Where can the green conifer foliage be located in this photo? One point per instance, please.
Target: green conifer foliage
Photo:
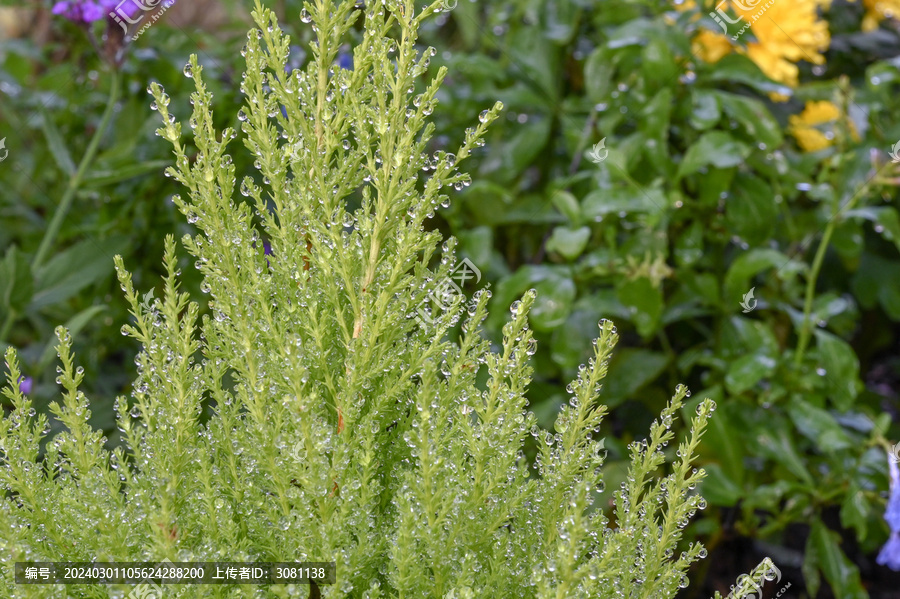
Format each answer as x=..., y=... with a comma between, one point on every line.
x=342, y=428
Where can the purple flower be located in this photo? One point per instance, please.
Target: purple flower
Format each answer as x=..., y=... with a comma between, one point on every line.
x=345, y=60
x=88, y=11
x=26, y=384
x=890, y=553
x=80, y=11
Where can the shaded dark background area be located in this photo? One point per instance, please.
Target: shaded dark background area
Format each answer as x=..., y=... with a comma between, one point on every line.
x=646, y=169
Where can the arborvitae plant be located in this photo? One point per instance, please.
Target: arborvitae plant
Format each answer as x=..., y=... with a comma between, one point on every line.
x=341, y=427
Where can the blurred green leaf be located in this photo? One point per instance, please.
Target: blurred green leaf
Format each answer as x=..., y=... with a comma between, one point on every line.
x=74, y=326
x=855, y=511
x=601, y=202
x=57, y=145
x=885, y=218
x=839, y=571
x=477, y=244
x=658, y=64
x=754, y=118
x=745, y=372
x=645, y=302
x=715, y=148
x=598, y=74
x=778, y=446
x=841, y=368
x=72, y=270
x=749, y=264
x=16, y=281
x=720, y=434
x=528, y=143
x=537, y=57
x=705, y=111
x=571, y=341
x=751, y=210
x=569, y=242
x=718, y=488
x=818, y=426
x=629, y=370
x=553, y=303
x=568, y=205
x=735, y=68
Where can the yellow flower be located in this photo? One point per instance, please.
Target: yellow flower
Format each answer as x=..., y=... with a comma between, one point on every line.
x=807, y=127
x=879, y=10
x=785, y=32
x=710, y=46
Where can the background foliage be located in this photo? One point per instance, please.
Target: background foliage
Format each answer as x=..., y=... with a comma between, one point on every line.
x=731, y=165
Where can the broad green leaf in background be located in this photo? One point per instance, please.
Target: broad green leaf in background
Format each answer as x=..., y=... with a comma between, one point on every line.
x=689, y=245
x=754, y=118
x=555, y=294
x=818, y=426
x=749, y=264
x=657, y=63
x=740, y=69
x=561, y=20
x=487, y=201
x=718, y=488
x=841, y=368
x=885, y=219
x=74, y=326
x=536, y=56
x=705, y=110
x=16, y=281
x=526, y=144
x=645, y=302
x=56, y=145
x=598, y=74
x=629, y=370
x=855, y=511
x=74, y=269
x=569, y=242
x=776, y=444
x=745, y=372
x=839, y=571
x=601, y=202
x=568, y=205
x=477, y=244
x=726, y=446
x=714, y=148
x=751, y=210
x=571, y=342
x=553, y=303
